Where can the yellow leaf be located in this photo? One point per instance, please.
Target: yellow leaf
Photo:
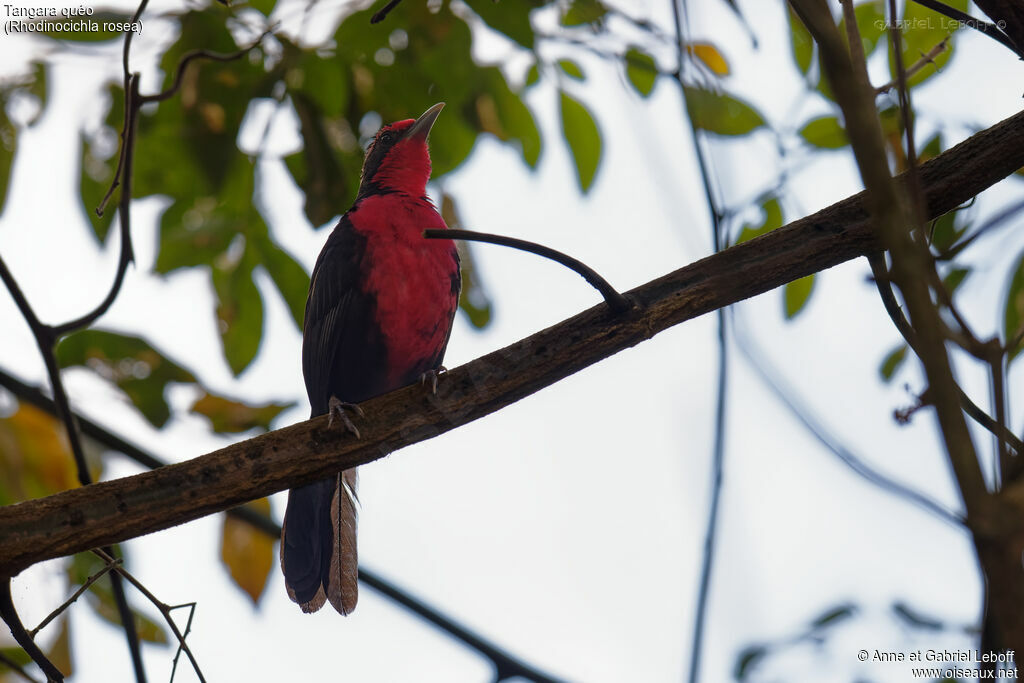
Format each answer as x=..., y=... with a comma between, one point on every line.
x=711, y=57
x=35, y=459
x=247, y=552
x=228, y=416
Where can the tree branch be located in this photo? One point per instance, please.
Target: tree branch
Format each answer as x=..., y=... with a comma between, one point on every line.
x=114, y=511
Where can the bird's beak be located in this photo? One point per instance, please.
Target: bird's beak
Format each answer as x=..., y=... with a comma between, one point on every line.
x=421, y=127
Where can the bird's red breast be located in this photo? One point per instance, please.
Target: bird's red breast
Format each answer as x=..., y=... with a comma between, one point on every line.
x=413, y=281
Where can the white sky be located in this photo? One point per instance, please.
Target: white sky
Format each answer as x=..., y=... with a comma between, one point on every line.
x=568, y=527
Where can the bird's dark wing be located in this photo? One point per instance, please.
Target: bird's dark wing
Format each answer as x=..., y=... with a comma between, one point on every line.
x=342, y=356
x=342, y=352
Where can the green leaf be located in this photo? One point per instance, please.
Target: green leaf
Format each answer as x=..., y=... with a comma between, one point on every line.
x=825, y=132
x=923, y=29
x=892, y=362
x=796, y=294
x=584, y=139
x=326, y=183
x=582, y=12
x=1013, y=320
x=510, y=18
x=801, y=42
x=212, y=102
x=325, y=81
x=721, y=114
x=532, y=75
x=641, y=70
x=228, y=416
x=772, y=210
x=946, y=230
x=130, y=363
x=571, y=69
x=954, y=278
x=289, y=277
x=266, y=7
x=239, y=309
x=511, y=120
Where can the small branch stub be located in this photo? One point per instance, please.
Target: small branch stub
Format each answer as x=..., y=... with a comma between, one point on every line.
x=615, y=300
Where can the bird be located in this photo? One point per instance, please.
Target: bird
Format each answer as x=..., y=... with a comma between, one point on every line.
x=382, y=301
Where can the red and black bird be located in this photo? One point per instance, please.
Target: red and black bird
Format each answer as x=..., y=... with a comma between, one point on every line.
x=378, y=317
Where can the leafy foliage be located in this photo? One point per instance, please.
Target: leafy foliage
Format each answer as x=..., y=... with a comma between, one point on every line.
x=35, y=458
x=825, y=132
x=641, y=70
x=720, y=113
x=247, y=552
x=144, y=373
x=584, y=139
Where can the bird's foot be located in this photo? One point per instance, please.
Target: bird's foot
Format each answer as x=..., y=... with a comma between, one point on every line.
x=430, y=377
x=337, y=413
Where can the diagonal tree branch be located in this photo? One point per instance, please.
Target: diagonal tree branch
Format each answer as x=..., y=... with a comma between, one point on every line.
x=114, y=511
x=506, y=664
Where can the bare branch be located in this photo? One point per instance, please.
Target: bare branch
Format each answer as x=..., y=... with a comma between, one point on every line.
x=70, y=601
x=381, y=14
x=926, y=59
x=113, y=511
x=164, y=608
x=612, y=297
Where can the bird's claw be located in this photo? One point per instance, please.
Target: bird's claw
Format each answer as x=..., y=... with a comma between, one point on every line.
x=336, y=412
x=431, y=376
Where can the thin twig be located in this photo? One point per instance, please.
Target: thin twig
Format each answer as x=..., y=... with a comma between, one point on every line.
x=165, y=609
x=994, y=222
x=892, y=307
x=188, y=629
x=67, y=603
x=21, y=636
x=201, y=54
x=384, y=11
x=926, y=59
x=616, y=301
x=128, y=114
x=721, y=403
x=127, y=255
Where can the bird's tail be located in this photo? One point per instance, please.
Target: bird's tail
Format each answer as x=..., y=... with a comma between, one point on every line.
x=318, y=544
